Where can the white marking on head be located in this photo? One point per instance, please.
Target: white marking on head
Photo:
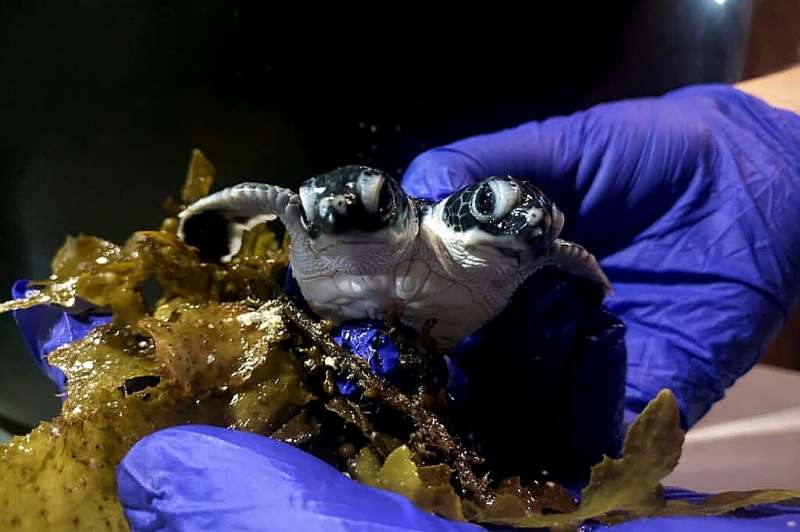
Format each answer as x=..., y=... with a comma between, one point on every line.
x=336, y=203
x=236, y=232
x=506, y=196
x=360, y=252
x=474, y=249
x=534, y=216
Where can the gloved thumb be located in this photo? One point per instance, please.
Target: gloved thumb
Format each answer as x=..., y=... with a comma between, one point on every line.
x=209, y=478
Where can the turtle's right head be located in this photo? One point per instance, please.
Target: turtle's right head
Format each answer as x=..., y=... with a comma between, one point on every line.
x=356, y=210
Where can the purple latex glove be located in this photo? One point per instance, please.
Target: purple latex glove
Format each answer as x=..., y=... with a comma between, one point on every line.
x=208, y=478
x=47, y=327
x=366, y=340
x=691, y=203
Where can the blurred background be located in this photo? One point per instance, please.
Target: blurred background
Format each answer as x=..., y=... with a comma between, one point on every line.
x=100, y=106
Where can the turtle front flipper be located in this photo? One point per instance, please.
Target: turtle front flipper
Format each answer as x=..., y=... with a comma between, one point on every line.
x=576, y=260
x=215, y=224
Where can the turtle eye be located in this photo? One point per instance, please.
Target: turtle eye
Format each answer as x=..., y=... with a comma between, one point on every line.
x=371, y=189
x=493, y=200
x=386, y=201
x=506, y=196
x=482, y=204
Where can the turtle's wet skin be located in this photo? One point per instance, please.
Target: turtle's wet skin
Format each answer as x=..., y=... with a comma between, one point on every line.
x=361, y=248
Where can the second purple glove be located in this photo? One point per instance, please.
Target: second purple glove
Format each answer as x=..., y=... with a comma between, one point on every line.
x=690, y=201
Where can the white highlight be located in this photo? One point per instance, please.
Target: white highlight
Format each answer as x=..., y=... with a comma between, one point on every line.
x=787, y=420
x=534, y=216
x=308, y=200
x=237, y=230
x=267, y=318
x=369, y=189
x=337, y=203
x=506, y=196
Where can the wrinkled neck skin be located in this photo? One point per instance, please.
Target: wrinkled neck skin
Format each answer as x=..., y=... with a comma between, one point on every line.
x=470, y=256
x=503, y=285
x=354, y=254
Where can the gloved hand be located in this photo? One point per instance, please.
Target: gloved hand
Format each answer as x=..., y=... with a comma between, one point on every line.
x=209, y=478
x=687, y=200
x=690, y=201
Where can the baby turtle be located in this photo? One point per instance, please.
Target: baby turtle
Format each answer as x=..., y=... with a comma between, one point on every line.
x=361, y=248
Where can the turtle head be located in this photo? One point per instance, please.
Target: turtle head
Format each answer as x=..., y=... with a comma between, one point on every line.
x=356, y=211
x=502, y=221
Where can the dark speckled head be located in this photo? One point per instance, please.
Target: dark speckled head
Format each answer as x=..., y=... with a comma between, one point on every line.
x=352, y=198
x=504, y=207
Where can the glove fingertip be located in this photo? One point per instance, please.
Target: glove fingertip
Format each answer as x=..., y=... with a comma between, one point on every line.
x=436, y=173
x=36, y=325
x=46, y=328
x=20, y=288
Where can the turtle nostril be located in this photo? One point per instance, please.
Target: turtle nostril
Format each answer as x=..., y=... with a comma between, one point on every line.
x=333, y=205
x=334, y=214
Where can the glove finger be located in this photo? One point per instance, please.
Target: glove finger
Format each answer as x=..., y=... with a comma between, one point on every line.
x=613, y=169
x=209, y=478
x=547, y=152
x=695, y=334
x=707, y=285
x=45, y=328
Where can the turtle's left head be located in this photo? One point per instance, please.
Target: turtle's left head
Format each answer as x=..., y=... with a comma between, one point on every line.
x=356, y=211
x=501, y=220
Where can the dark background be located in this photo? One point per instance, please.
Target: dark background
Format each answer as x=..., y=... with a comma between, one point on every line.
x=100, y=106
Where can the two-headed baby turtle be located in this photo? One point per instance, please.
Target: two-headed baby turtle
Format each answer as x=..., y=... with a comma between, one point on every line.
x=361, y=248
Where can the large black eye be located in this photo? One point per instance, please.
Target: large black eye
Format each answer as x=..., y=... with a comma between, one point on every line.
x=494, y=199
x=482, y=204
x=386, y=201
